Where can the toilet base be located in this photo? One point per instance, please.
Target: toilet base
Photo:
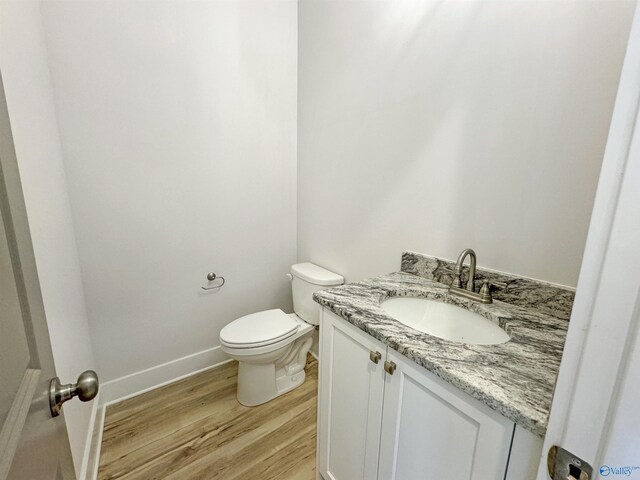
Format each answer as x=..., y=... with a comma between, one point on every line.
x=259, y=383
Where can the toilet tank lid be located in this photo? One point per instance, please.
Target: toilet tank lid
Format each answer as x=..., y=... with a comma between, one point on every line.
x=316, y=275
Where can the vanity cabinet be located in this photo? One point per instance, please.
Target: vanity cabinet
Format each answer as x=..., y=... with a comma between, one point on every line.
x=403, y=423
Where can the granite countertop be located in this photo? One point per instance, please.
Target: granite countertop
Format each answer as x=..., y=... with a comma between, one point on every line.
x=516, y=378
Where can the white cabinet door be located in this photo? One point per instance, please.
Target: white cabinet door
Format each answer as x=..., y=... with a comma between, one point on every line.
x=431, y=430
x=350, y=402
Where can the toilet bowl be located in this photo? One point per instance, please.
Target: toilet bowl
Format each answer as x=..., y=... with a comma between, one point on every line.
x=271, y=346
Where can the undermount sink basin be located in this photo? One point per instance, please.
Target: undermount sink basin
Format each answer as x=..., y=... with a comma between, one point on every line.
x=444, y=320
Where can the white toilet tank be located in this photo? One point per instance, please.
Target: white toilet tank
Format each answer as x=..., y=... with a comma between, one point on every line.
x=309, y=278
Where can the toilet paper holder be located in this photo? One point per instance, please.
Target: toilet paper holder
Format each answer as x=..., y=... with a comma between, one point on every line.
x=211, y=277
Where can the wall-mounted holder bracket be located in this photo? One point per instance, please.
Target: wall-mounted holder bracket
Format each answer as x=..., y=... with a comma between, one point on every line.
x=211, y=277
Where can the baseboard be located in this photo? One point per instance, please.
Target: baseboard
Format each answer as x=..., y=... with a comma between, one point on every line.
x=134, y=384
x=140, y=382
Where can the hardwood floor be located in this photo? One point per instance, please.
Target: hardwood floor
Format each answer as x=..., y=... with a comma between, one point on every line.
x=196, y=429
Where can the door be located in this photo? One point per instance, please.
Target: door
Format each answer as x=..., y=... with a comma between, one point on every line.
x=33, y=444
x=430, y=429
x=595, y=412
x=351, y=394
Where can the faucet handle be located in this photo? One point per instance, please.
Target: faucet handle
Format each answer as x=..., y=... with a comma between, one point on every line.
x=500, y=285
x=485, y=290
x=456, y=281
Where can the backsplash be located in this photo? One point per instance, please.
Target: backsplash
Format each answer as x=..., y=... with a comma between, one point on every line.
x=549, y=299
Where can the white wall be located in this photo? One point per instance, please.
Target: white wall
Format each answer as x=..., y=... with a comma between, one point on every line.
x=27, y=84
x=435, y=126
x=178, y=123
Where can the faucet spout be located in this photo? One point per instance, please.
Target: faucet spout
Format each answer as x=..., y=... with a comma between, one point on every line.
x=472, y=267
x=469, y=292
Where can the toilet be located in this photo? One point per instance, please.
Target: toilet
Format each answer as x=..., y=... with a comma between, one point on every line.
x=271, y=346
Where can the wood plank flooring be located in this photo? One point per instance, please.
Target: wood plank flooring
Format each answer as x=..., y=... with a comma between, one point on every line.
x=196, y=429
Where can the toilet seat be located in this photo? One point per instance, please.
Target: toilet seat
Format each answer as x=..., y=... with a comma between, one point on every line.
x=258, y=329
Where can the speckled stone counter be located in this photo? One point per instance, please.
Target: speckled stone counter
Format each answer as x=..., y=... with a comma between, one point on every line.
x=515, y=378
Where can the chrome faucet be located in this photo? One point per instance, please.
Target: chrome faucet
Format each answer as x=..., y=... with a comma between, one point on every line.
x=484, y=295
